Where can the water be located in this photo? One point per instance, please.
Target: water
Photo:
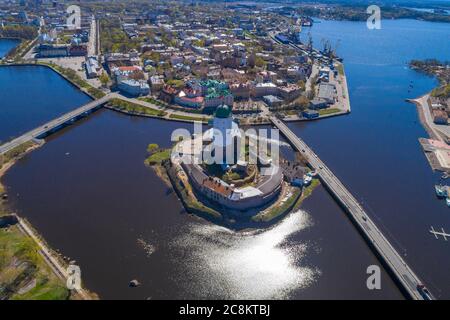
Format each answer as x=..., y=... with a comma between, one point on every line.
x=375, y=150
x=6, y=45
x=99, y=204
x=93, y=198
x=31, y=96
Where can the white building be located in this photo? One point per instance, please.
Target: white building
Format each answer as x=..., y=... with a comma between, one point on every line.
x=92, y=67
x=134, y=87
x=225, y=130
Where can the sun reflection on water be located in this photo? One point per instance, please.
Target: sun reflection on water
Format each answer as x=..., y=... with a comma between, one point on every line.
x=263, y=264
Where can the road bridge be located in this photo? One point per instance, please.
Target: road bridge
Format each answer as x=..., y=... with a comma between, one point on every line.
x=55, y=124
x=409, y=282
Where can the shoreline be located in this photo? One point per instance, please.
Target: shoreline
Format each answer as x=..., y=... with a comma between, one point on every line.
x=428, y=124
x=422, y=119
x=433, y=134
x=44, y=65
x=289, y=199
x=174, y=112
x=8, y=53
x=49, y=255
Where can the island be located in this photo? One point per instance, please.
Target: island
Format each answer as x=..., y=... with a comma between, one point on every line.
x=250, y=189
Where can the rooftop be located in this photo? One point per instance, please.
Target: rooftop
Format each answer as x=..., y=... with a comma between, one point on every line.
x=223, y=112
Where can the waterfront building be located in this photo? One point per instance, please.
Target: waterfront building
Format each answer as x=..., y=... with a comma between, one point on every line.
x=327, y=92
x=51, y=51
x=265, y=89
x=272, y=101
x=157, y=83
x=293, y=173
x=133, y=87
x=289, y=92
x=216, y=93
x=186, y=101
x=440, y=116
x=92, y=67
x=297, y=72
x=318, y=104
x=241, y=90
x=78, y=50
x=310, y=114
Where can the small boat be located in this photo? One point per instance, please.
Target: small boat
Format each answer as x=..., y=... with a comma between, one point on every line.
x=447, y=200
x=441, y=191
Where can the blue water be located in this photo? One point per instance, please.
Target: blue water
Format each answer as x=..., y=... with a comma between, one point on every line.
x=6, y=45
x=375, y=150
x=31, y=96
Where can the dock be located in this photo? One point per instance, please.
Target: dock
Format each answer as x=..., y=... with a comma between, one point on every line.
x=404, y=276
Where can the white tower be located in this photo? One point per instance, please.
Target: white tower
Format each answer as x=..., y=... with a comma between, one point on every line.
x=225, y=130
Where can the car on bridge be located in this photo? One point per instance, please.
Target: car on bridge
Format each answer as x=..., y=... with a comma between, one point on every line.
x=424, y=292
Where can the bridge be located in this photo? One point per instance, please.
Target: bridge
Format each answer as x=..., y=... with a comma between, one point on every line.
x=55, y=124
x=406, y=278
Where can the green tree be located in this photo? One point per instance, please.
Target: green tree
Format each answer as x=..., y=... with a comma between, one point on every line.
x=104, y=79
x=152, y=147
x=259, y=62
x=301, y=102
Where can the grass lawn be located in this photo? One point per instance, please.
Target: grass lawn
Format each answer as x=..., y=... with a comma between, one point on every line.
x=20, y=263
x=293, y=202
x=158, y=157
x=75, y=78
x=135, y=108
x=275, y=211
x=188, y=118
x=340, y=69
x=324, y=112
x=15, y=152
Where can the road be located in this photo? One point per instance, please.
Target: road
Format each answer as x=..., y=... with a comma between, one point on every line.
x=51, y=125
x=439, y=130
x=92, y=44
x=403, y=273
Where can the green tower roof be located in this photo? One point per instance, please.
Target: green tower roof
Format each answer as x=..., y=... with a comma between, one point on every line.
x=223, y=111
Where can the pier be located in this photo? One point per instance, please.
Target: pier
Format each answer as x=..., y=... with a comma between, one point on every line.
x=55, y=124
x=409, y=282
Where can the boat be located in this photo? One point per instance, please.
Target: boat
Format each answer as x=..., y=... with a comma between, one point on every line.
x=447, y=200
x=441, y=191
